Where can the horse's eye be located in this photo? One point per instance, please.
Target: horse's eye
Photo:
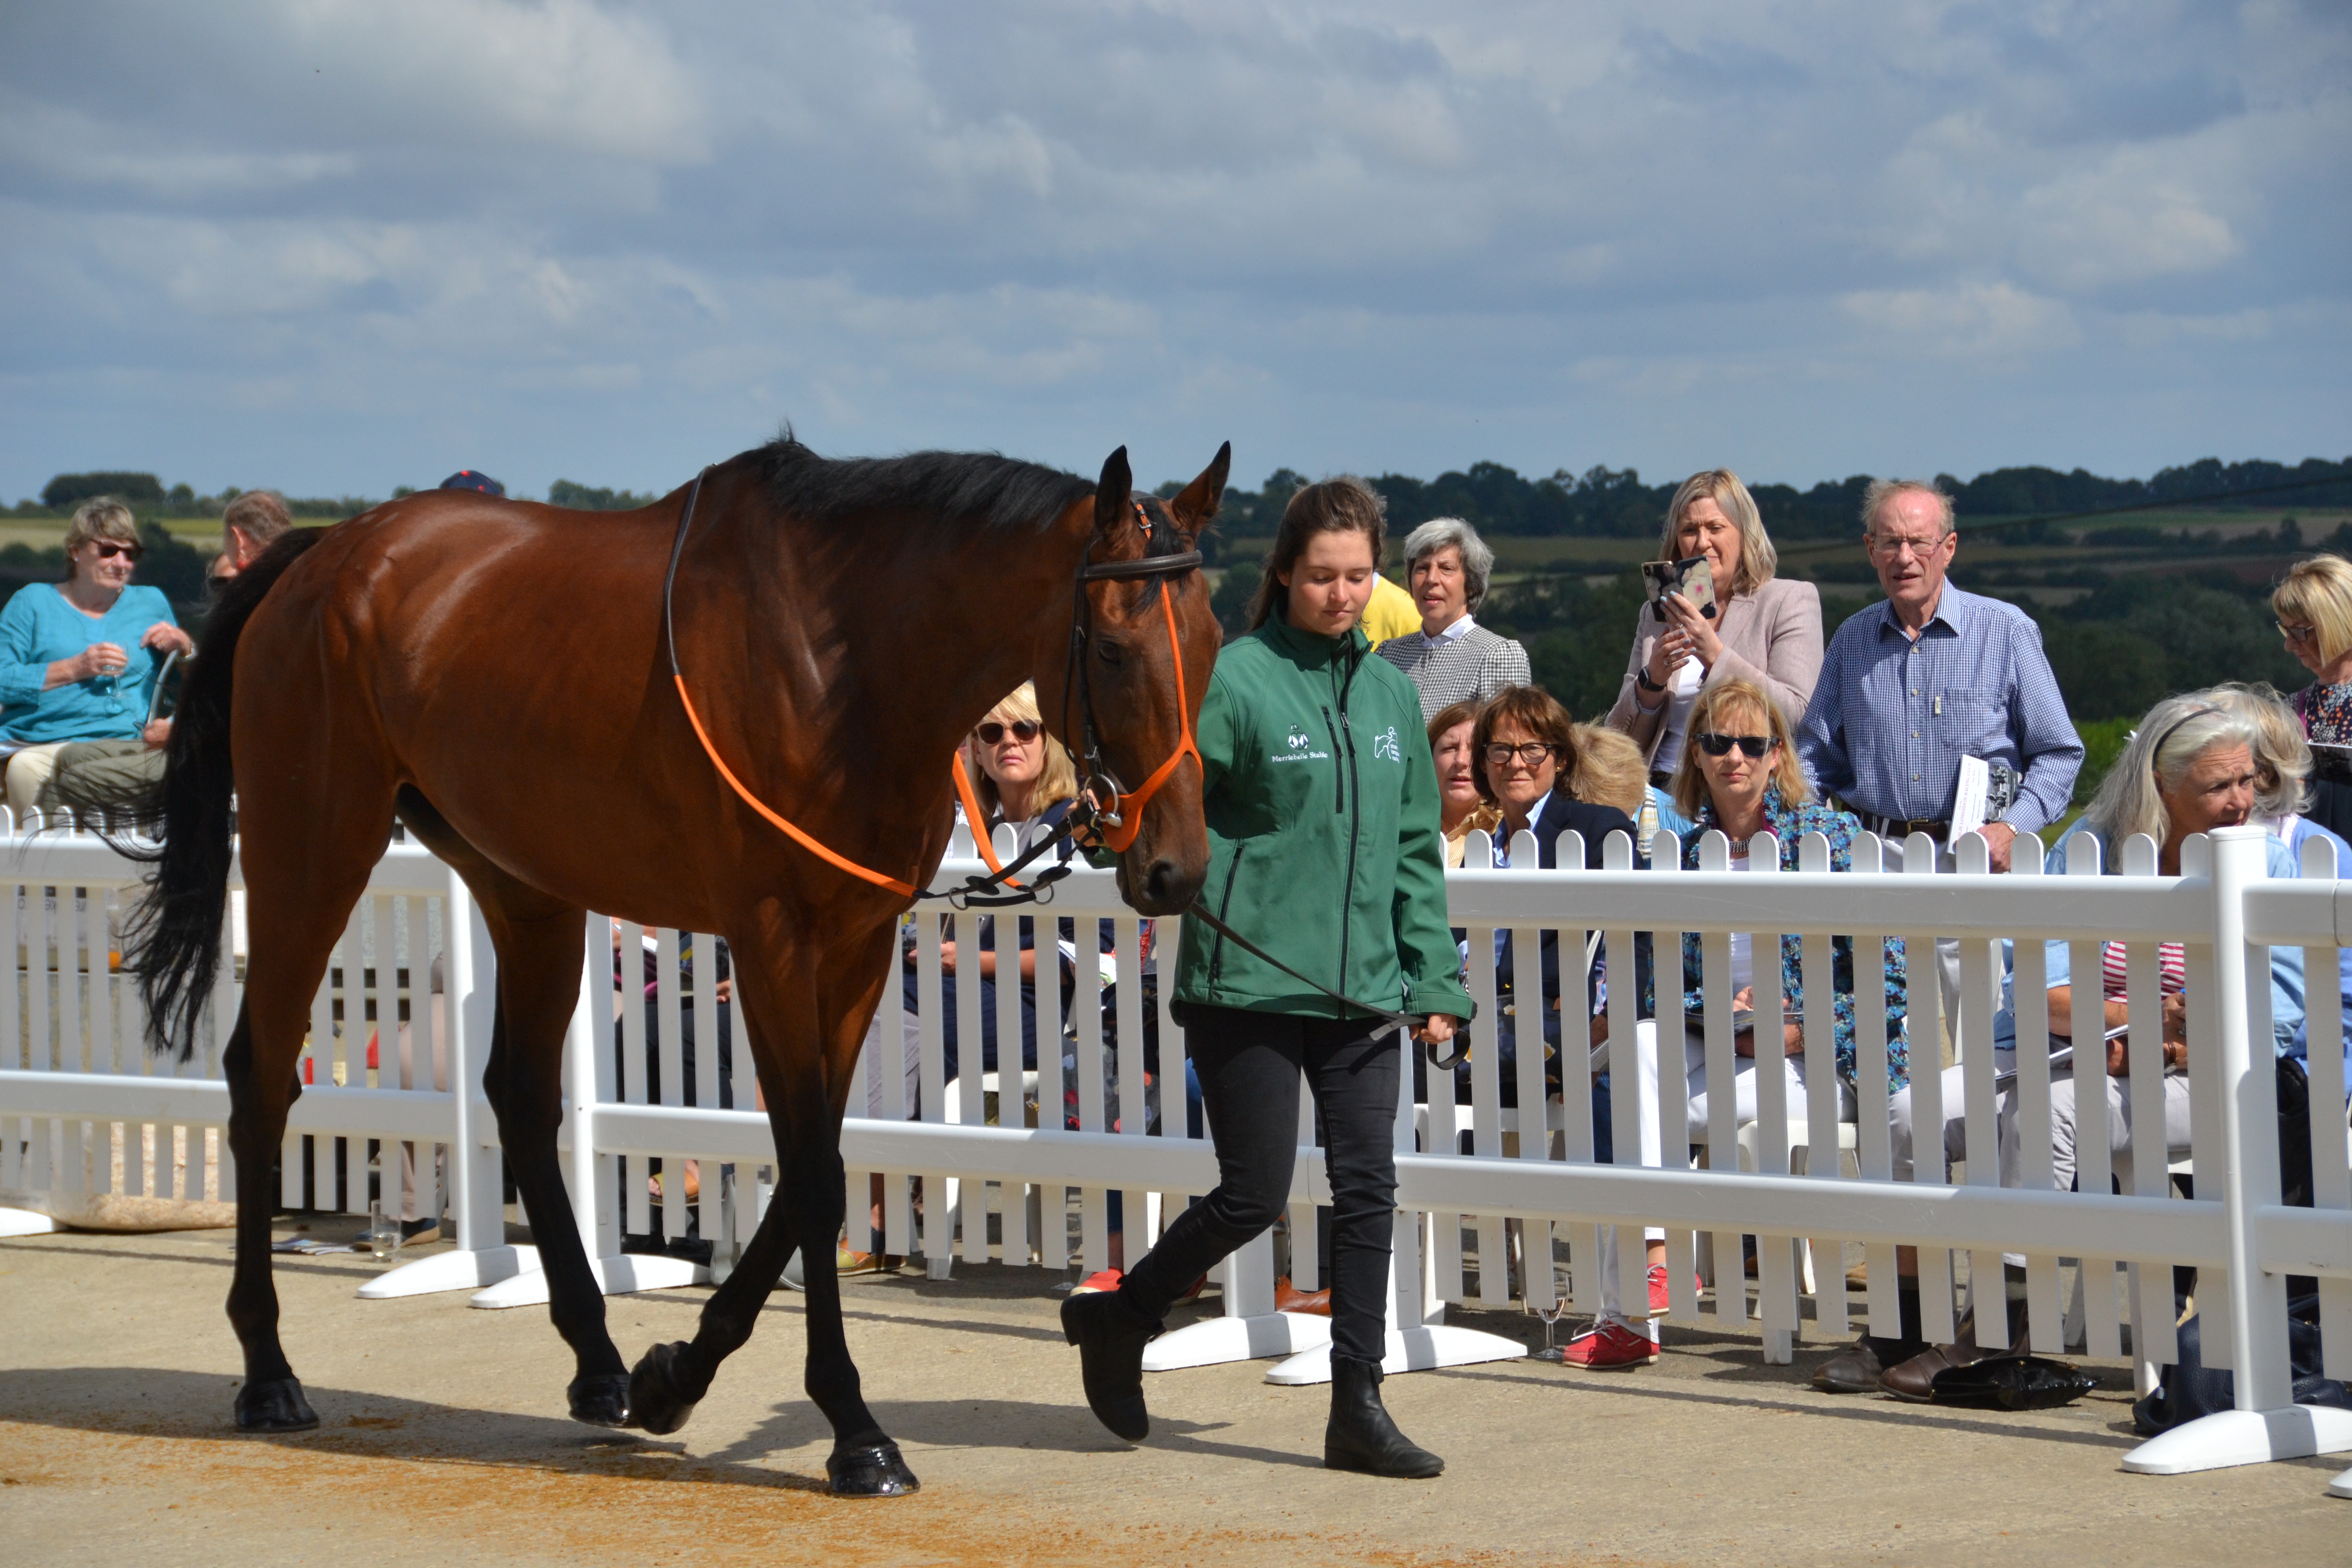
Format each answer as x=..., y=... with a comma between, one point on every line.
x=1110, y=652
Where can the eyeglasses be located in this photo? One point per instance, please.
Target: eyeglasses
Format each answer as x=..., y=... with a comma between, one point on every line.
x=1531, y=753
x=2295, y=634
x=1024, y=730
x=1893, y=547
x=1716, y=745
x=107, y=550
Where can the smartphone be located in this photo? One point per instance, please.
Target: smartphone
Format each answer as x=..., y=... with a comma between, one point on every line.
x=1694, y=579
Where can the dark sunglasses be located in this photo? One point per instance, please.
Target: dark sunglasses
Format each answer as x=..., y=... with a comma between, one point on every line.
x=107, y=550
x=1716, y=745
x=1531, y=753
x=1024, y=730
x=2295, y=634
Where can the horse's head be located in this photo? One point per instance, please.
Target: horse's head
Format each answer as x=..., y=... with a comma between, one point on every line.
x=1139, y=661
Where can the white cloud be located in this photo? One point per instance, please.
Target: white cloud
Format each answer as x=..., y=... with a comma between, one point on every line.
x=1974, y=320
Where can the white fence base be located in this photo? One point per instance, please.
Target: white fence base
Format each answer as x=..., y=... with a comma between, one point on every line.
x=24, y=1222
x=2244, y=1437
x=452, y=1271
x=2341, y=1486
x=622, y=1276
x=1220, y=1339
x=1424, y=1349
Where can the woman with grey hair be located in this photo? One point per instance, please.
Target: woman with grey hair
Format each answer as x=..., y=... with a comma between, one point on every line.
x=1760, y=628
x=2189, y=768
x=1453, y=658
x=78, y=658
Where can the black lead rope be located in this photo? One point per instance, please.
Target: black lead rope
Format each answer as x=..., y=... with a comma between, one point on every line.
x=1407, y=1022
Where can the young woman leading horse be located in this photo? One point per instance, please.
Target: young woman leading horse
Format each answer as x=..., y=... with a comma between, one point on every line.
x=497, y=674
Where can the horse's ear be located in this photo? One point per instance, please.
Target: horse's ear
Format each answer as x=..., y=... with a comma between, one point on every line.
x=1197, y=503
x=1114, y=494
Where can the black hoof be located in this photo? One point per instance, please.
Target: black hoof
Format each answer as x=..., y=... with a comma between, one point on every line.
x=277, y=1405
x=600, y=1399
x=876, y=1470
x=658, y=1400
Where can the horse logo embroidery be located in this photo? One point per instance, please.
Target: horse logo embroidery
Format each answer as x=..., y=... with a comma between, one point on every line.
x=1385, y=745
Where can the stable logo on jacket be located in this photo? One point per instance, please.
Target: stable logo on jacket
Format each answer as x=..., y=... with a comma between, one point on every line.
x=1299, y=749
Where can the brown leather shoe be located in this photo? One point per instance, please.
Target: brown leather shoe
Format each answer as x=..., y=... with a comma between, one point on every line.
x=1854, y=1370
x=1289, y=1298
x=1915, y=1380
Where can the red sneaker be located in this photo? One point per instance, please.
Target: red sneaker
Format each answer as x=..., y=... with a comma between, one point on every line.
x=1607, y=1345
x=1107, y=1279
x=1658, y=1302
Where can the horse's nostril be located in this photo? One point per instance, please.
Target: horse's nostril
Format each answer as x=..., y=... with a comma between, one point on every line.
x=1160, y=882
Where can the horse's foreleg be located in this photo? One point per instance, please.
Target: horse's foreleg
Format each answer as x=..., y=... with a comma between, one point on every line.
x=539, y=987
x=271, y=1399
x=864, y=1462
x=805, y=1043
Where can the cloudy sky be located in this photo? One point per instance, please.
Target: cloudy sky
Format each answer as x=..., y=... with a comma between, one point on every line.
x=332, y=247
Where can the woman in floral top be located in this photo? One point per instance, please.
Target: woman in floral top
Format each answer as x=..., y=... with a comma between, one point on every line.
x=2314, y=607
x=1740, y=775
x=1742, y=796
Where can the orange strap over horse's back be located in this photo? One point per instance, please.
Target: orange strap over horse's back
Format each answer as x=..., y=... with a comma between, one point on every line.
x=904, y=889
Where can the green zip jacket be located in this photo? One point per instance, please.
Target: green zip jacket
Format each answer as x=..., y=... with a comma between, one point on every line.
x=1324, y=847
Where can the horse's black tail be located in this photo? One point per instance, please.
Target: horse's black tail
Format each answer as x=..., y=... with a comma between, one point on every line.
x=171, y=940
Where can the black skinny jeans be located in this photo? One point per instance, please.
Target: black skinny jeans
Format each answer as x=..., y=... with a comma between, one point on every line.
x=1248, y=1065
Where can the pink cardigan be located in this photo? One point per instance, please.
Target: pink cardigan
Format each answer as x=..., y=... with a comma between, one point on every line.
x=1771, y=636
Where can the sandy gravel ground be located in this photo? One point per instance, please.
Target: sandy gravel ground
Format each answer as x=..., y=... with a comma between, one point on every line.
x=444, y=1436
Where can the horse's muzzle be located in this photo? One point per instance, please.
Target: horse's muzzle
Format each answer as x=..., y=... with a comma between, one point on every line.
x=1163, y=887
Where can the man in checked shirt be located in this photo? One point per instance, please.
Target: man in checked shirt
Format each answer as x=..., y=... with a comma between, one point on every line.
x=1908, y=688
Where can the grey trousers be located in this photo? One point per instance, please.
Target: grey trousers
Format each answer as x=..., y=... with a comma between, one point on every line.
x=101, y=775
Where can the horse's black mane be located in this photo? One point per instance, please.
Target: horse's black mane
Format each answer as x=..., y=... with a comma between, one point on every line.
x=980, y=488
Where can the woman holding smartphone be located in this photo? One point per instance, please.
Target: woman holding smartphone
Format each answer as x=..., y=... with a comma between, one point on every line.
x=1765, y=628
x=1326, y=858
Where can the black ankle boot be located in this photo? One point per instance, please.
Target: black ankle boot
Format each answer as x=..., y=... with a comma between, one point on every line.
x=1111, y=1340
x=1361, y=1436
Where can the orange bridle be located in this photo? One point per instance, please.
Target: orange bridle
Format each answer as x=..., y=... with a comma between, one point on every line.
x=1108, y=812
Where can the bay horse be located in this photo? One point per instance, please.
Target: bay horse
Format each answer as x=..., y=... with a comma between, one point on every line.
x=494, y=673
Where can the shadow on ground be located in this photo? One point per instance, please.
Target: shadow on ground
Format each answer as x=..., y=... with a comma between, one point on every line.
x=139, y=1401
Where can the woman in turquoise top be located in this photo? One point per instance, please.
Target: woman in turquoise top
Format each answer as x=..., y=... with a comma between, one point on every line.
x=78, y=658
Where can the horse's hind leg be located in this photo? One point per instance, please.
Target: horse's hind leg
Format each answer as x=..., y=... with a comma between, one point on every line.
x=805, y=1043
x=540, y=948
x=296, y=912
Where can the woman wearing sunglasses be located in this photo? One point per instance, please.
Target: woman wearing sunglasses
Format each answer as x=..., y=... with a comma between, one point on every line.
x=78, y=658
x=1021, y=776
x=1739, y=776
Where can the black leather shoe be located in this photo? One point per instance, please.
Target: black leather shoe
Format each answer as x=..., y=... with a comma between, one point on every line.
x=1361, y=1436
x=1111, y=1342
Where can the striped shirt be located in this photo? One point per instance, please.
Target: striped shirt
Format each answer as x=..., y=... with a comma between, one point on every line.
x=1891, y=718
x=1457, y=664
x=2171, y=970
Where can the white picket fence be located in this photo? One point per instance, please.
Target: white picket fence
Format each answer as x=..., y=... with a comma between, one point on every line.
x=1001, y=1178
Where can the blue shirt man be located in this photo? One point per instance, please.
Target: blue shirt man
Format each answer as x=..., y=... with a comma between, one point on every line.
x=1911, y=686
